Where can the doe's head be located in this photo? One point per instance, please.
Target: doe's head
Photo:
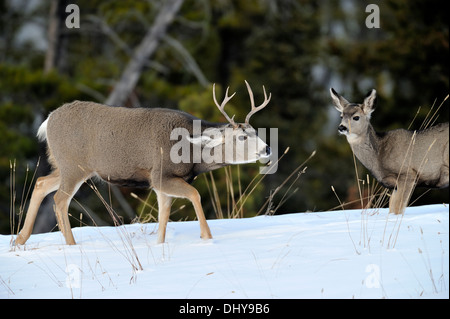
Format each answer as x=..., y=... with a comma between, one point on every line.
x=355, y=117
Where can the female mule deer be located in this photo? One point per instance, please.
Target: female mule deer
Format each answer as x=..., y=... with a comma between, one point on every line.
x=132, y=147
x=398, y=159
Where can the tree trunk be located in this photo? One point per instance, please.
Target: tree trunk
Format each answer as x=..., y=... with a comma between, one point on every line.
x=56, y=19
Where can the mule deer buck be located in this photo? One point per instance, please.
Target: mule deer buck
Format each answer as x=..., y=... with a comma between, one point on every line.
x=132, y=147
x=399, y=159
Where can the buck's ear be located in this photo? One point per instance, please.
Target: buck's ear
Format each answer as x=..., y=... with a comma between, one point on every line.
x=205, y=140
x=199, y=140
x=369, y=102
x=338, y=101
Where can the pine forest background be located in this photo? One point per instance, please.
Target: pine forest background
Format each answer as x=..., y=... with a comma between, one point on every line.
x=297, y=49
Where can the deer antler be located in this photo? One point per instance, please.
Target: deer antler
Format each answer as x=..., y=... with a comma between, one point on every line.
x=252, y=101
x=225, y=101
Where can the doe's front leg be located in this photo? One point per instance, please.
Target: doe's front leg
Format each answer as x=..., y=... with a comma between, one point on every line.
x=400, y=196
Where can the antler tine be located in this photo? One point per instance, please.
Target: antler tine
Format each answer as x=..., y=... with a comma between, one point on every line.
x=225, y=101
x=252, y=101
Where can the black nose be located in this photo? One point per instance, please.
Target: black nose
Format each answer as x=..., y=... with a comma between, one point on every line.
x=342, y=128
x=268, y=150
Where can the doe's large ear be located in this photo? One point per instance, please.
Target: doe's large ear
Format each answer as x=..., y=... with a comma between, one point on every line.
x=338, y=101
x=369, y=102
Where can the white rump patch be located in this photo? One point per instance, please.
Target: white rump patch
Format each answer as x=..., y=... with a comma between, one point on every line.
x=42, y=131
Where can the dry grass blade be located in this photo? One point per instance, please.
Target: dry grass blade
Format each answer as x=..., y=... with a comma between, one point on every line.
x=129, y=252
x=430, y=120
x=294, y=172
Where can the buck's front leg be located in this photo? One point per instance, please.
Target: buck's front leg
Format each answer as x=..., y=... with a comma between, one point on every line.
x=177, y=187
x=164, y=203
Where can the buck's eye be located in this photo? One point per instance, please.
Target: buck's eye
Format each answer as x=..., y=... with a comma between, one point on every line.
x=242, y=137
x=356, y=118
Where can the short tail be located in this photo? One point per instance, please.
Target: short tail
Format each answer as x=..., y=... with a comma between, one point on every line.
x=42, y=131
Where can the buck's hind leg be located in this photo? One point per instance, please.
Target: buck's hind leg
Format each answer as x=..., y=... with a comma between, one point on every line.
x=44, y=186
x=69, y=186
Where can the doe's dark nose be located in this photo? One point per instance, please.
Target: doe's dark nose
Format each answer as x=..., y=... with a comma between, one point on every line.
x=342, y=128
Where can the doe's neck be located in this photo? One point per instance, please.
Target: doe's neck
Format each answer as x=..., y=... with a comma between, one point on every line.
x=366, y=149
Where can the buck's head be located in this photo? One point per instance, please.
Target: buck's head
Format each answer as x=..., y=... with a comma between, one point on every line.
x=239, y=142
x=355, y=118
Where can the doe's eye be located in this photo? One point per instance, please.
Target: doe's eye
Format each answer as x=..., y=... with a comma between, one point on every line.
x=356, y=118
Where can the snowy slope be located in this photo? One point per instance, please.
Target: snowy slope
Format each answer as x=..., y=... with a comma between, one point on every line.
x=341, y=254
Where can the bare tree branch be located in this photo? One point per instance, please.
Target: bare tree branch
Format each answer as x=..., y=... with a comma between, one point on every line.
x=146, y=48
x=107, y=30
x=103, y=27
x=188, y=60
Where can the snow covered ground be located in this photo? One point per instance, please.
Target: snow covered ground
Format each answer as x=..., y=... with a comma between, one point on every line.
x=340, y=254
